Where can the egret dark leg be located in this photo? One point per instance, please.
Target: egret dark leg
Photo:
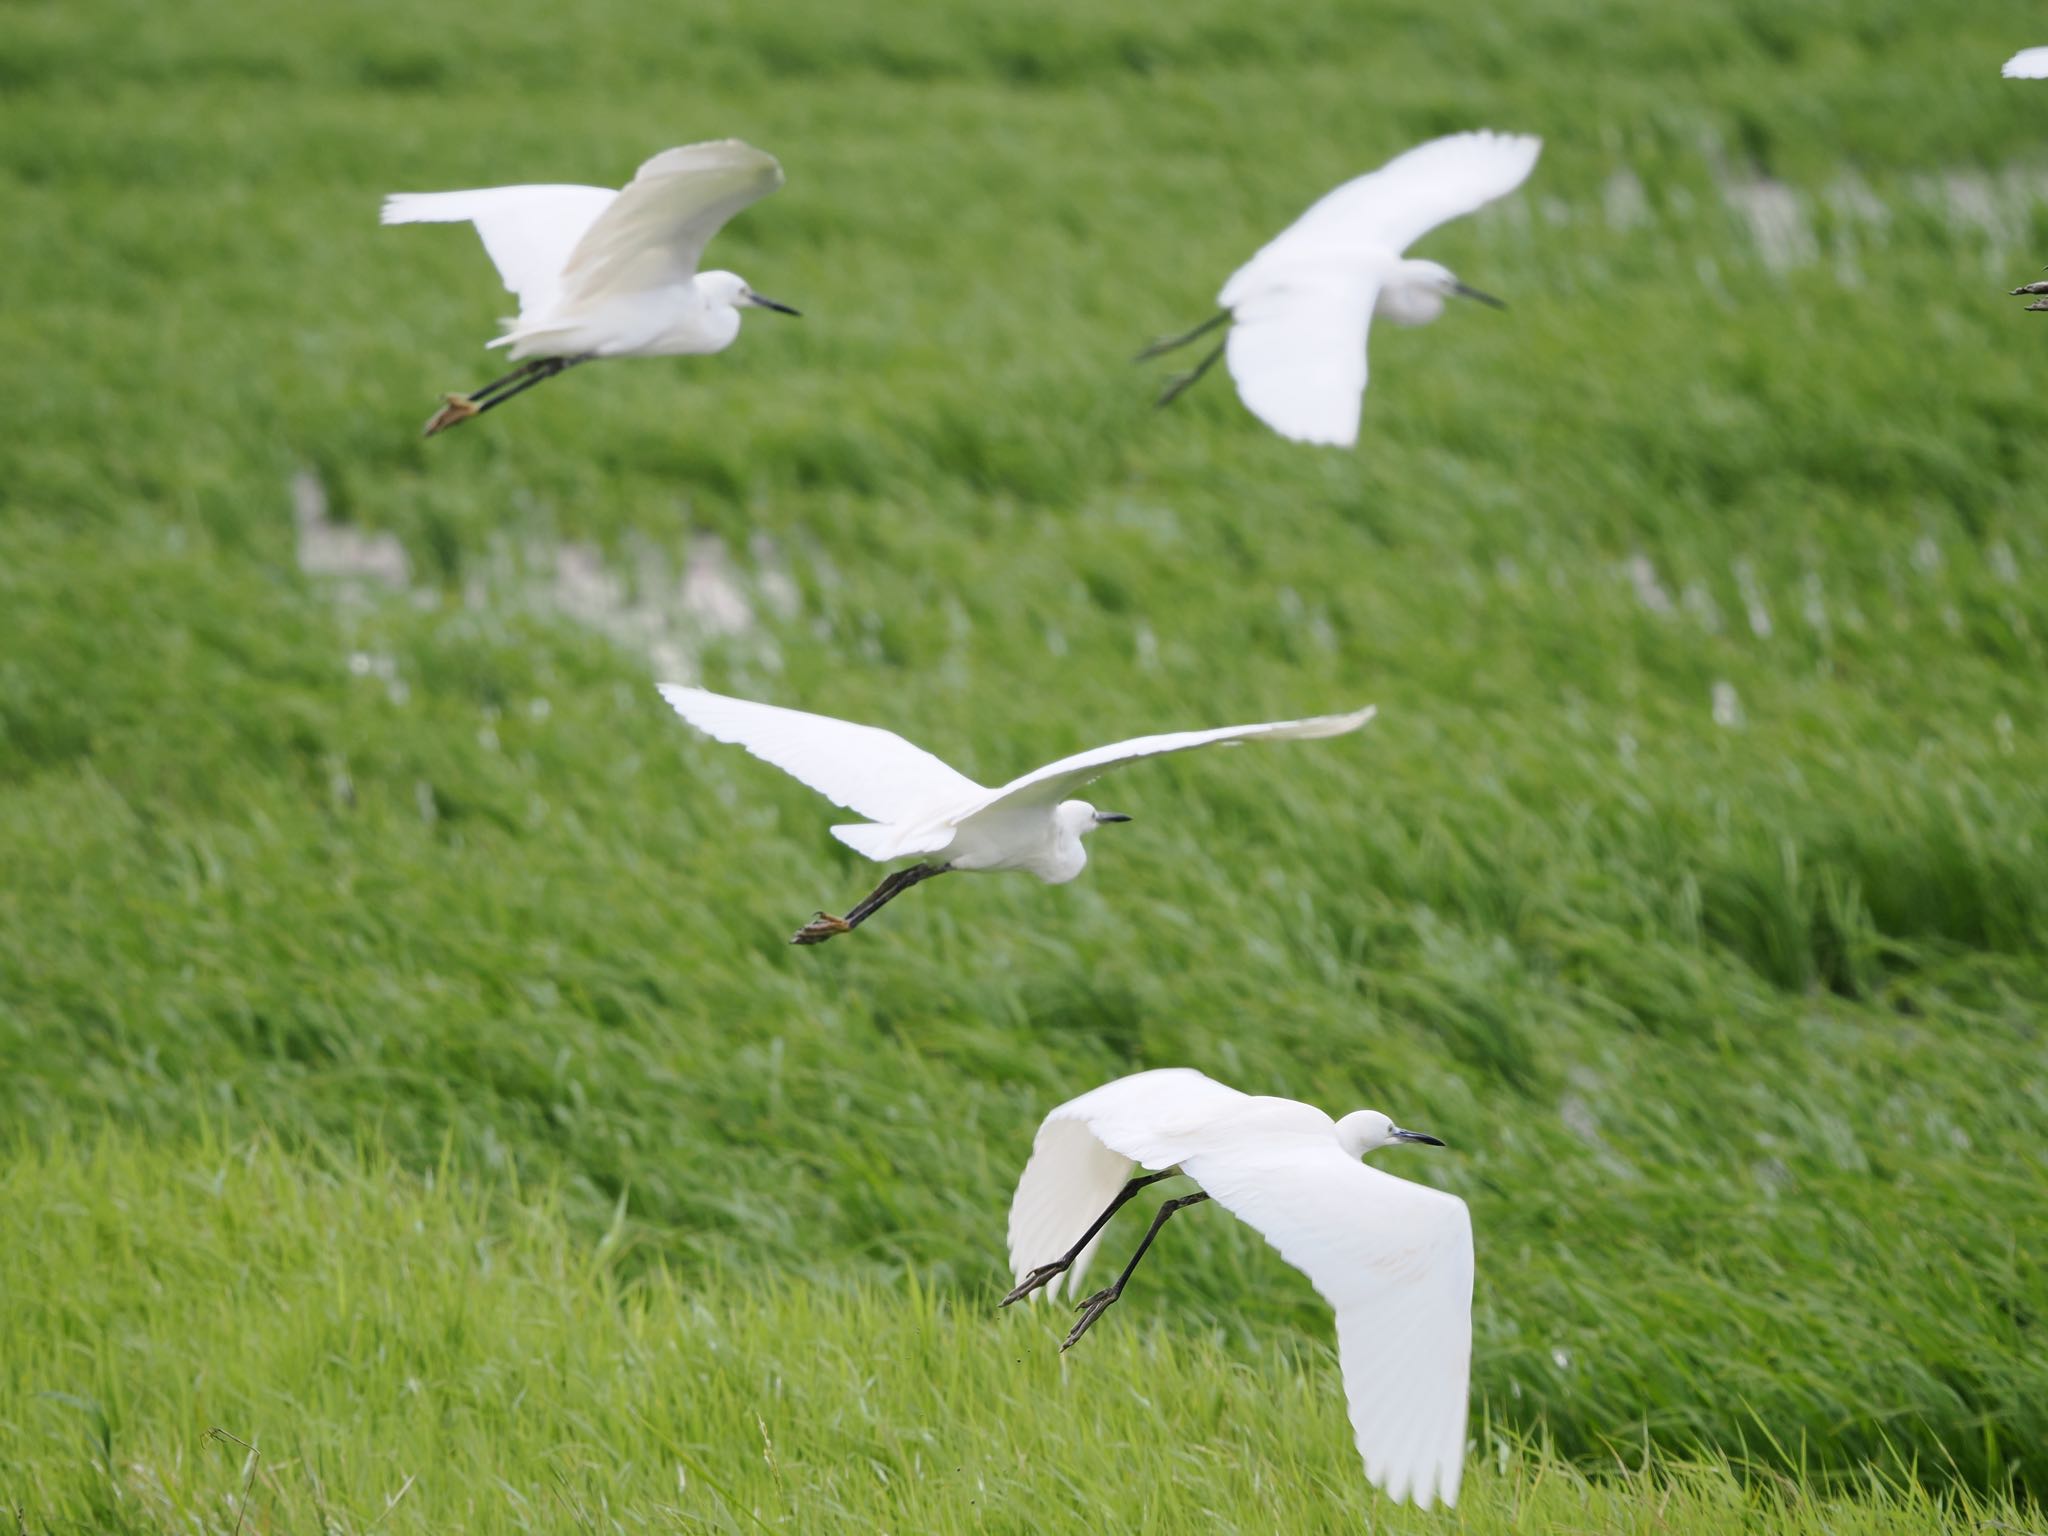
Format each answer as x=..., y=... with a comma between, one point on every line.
x=459, y=408
x=525, y=370
x=1159, y=347
x=1102, y=1300
x=547, y=369
x=1065, y=1261
x=1181, y=383
x=825, y=925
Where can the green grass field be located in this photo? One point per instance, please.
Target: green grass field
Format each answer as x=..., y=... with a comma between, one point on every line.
x=402, y=1067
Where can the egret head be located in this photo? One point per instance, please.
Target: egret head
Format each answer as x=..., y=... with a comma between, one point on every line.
x=1415, y=293
x=731, y=290
x=1367, y=1130
x=1080, y=818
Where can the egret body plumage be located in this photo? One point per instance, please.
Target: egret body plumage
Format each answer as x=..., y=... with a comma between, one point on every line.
x=600, y=273
x=1393, y=1259
x=918, y=806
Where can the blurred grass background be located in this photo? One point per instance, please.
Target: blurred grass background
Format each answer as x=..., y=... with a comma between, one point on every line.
x=1693, y=883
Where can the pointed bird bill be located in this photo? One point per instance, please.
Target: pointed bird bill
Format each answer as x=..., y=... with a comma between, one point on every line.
x=1467, y=291
x=1418, y=1137
x=774, y=304
x=1111, y=816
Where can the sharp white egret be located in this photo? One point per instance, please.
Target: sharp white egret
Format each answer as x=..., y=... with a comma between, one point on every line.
x=600, y=273
x=1393, y=1259
x=917, y=806
x=1298, y=311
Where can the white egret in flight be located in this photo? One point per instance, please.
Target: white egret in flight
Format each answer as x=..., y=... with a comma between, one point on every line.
x=917, y=806
x=1393, y=1259
x=600, y=273
x=1298, y=311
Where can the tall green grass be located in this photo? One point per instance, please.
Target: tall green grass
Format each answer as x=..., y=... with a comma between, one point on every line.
x=408, y=1352
x=1693, y=883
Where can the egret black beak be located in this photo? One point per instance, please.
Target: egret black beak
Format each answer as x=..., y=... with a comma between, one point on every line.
x=1101, y=816
x=1465, y=291
x=1400, y=1135
x=779, y=308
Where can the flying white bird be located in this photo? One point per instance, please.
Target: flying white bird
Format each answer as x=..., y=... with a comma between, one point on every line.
x=917, y=806
x=1298, y=311
x=1393, y=1259
x=600, y=273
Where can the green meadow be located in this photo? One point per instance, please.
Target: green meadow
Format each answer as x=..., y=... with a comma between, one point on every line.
x=403, y=1069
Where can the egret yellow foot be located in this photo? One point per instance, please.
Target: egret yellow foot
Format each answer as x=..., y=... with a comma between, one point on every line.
x=820, y=928
x=455, y=410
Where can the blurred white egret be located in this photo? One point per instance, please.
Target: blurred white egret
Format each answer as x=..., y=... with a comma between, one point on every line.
x=600, y=273
x=916, y=805
x=1298, y=311
x=1393, y=1259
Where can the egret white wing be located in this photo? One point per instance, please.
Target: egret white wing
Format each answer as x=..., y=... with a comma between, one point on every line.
x=654, y=235
x=1085, y=1151
x=1391, y=208
x=528, y=232
x=1394, y=1261
x=1056, y=781
x=1296, y=352
x=2027, y=64
x=861, y=767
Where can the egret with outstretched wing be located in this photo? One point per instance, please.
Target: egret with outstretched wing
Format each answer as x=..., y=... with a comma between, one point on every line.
x=600, y=273
x=917, y=806
x=1299, y=310
x=1392, y=1258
